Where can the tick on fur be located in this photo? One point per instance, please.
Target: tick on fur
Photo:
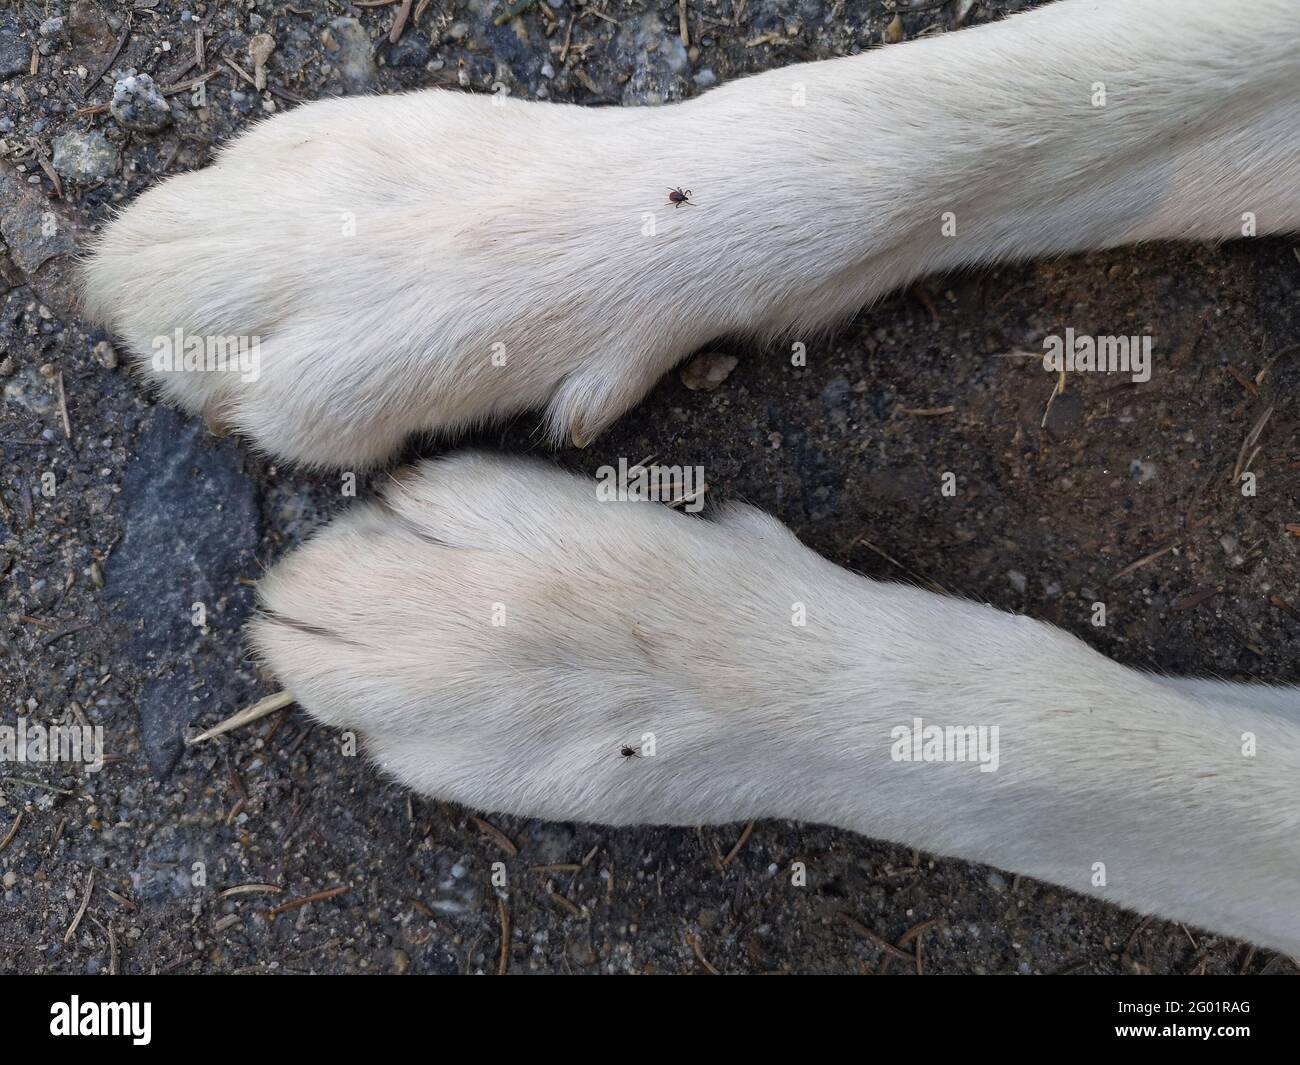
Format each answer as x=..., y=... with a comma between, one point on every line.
x=677, y=197
x=629, y=752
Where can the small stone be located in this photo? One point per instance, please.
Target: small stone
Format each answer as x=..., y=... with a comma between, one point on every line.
x=29, y=391
x=707, y=372
x=93, y=38
x=259, y=51
x=137, y=104
x=351, y=53
x=411, y=51
x=6, y=366
x=1017, y=580
x=52, y=27
x=705, y=78
x=1143, y=471
x=85, y=157
x=894, y=32
x=106, y=355
x=15, y=52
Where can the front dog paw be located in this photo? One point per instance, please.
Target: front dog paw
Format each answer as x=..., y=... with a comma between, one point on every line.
x=373, y=267
x=497, y=635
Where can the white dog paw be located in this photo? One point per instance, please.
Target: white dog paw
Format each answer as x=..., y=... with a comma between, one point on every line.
x=388, y=265
x=497, y=636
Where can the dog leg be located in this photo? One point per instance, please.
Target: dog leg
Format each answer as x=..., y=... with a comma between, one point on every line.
x=430, y=261
x=497, y=634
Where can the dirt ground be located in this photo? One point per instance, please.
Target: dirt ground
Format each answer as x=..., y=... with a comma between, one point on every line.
x=1126, y=497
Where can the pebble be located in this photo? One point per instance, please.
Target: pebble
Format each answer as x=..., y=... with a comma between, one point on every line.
x=1143, y=471
x=411, y=51
x=85, y=156
x=706, y=372
x=29, y=391
x=260, y=50
x=15, y=53
x=93, y=35
x=137, y=104
x=1017, y=580
x=351, y=53
x=106, y=355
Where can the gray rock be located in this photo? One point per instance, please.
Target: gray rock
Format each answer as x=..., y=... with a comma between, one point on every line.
x=191, y=525
x=411, y=51
x=29, y=391
x=15, y=52
x=658, y=59
x=1143, y=471
x=349, y=49
x=137, y=104
x=85, y=156
x=93, y=39
x=43, y=241
x=197, y=683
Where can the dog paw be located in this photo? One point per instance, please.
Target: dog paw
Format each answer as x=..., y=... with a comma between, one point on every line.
x=497, y=636
x=374, y=267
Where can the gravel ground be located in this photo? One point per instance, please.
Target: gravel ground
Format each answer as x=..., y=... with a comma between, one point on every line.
x=117, y=516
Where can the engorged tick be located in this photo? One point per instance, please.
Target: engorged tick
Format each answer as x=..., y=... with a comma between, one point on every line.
x=677, y=197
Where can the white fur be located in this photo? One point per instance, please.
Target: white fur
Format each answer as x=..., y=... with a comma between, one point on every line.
x=522, y=226
x=497, y=634
x=518, y=230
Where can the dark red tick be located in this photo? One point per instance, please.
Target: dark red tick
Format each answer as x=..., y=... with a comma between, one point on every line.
x=677, y=197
